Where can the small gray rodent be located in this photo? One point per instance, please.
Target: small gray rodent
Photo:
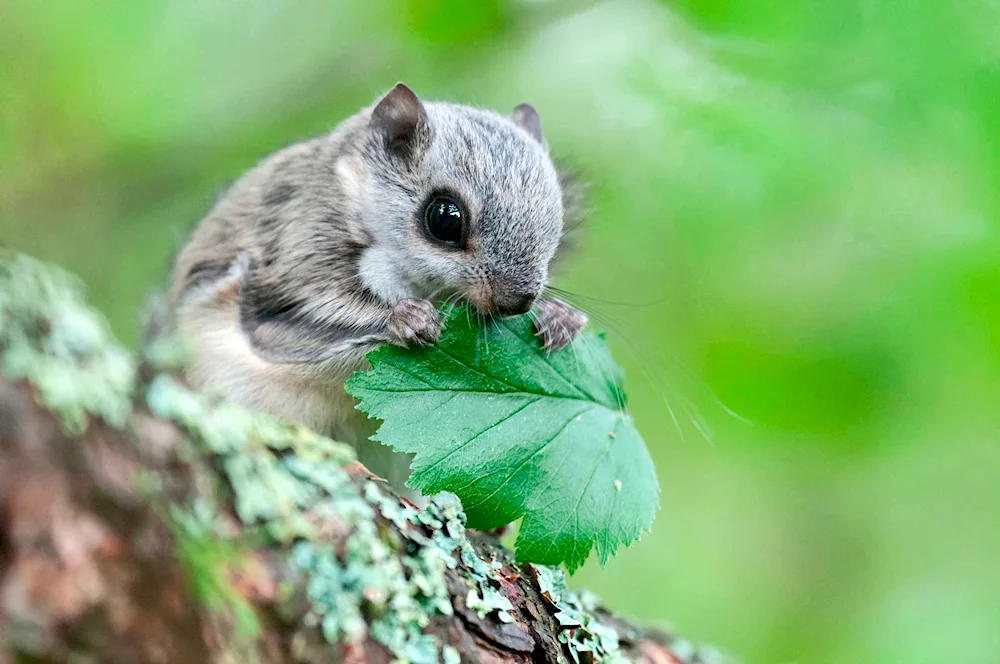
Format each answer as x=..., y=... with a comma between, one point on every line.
x=336, y=245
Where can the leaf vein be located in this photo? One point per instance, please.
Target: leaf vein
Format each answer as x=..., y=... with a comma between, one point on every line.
x=478, y=434
x=473, y=369
x=531, y=456
x=504, y=326
x=576, y=507
x=521, y=393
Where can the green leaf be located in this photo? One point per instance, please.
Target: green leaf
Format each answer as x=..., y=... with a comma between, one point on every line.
x=516, y=432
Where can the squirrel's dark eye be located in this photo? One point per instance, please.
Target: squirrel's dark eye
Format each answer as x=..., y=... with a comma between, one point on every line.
x=445, y=221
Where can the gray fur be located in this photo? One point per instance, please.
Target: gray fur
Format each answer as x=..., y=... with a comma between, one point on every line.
x=319, y=253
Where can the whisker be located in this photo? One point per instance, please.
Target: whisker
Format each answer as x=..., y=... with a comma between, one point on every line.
x=559, y=292
x=641, y=355
x=618, y=394
x=620, y=401
x=484, y=324
x=658, y=384
x=449, y=304
x=573, y=227
x=576, y=357
x=434, y=293
x=468, y=320
x=702, y=426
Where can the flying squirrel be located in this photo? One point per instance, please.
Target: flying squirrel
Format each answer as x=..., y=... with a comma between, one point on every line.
x=332, y=247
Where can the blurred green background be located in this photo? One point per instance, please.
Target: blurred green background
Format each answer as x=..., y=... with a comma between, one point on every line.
x=795, y=210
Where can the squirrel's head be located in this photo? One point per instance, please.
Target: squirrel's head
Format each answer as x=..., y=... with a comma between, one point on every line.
x=461, y=202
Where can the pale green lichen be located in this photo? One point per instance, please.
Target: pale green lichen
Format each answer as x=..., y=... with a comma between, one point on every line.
x=444, y=515
x=208, y=555
x=291, y=482
x=399, y=592
x=485, y=600
x=278, y=473
x=688, y=652
x=50, y=338
x=285, y=481
x=584, y=632
x=450, y=656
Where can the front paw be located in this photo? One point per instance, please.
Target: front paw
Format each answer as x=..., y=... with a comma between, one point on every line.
x=414, y=321
x=557, y=323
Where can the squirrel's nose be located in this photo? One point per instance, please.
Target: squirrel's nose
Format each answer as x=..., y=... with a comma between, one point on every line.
x=511, y=304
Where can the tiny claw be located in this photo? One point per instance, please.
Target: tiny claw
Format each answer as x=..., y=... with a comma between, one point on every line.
x=415, y=321
x=557, y=323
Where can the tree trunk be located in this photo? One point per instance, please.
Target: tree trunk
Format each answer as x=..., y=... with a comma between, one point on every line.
x=141, y=522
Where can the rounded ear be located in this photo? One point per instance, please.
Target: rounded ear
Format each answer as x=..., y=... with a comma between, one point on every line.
x=526, y=117
x=401, y=119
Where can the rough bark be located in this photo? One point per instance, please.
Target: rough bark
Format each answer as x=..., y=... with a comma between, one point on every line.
x=150, y=524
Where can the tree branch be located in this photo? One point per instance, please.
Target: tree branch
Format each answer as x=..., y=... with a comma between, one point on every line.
x=142, y=522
